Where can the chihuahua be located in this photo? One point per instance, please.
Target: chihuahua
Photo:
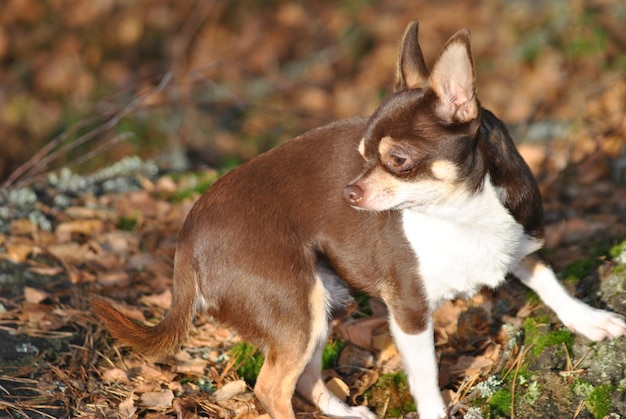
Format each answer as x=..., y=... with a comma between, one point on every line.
x=426, y=200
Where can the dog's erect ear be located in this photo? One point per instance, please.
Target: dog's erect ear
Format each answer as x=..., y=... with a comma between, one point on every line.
x=454, y=80
x=412, y=71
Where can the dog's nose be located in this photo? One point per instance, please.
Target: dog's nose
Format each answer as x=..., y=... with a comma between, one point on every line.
x=352, y=194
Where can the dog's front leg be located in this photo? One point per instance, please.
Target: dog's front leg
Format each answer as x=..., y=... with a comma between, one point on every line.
x=420, y=362
x=594, y=323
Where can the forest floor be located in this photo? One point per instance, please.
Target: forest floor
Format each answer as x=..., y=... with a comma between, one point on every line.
x=555, y=74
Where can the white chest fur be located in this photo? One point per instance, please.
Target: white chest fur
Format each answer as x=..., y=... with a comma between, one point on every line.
x=465, y=242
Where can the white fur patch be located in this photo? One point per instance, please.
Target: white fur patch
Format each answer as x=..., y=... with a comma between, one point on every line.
x=465, y=241
x=420, y=363
x=577, y=316
x=362, y=148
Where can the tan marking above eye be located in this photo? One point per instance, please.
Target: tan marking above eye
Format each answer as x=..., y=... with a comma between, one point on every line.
x=444, y=170
x=385, y=145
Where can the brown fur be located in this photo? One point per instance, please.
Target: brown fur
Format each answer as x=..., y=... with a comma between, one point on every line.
x=250, y=250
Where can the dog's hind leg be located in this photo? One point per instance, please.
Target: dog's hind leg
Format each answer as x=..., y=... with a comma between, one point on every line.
x=329, y=296
x=297, y=348
x=286, y=357
x=277, y=381
x=311, y=386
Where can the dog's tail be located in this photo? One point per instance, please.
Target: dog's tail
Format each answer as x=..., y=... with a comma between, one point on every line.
x=167, y=336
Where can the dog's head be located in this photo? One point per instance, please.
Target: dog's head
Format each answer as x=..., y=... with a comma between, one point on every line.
x=417, y=144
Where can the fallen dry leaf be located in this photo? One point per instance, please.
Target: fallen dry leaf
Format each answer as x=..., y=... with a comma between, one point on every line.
x=34, y=295
x=352, y=356
x=41, y=317
x=115, y=375
x=230, y=390
x=22, y=227
x=339, y=388
x=147, y=387
x=163, y=300
x=157, y=399
x=71, y=251
x=19, y=252
x=383, y=343
x=471, y=365
x=120, y=278
x=88, y=228
x=46, y=270
x=127, y=407
x=192, y=366
x=360, y=332
x=151, y=373
x=120, y=242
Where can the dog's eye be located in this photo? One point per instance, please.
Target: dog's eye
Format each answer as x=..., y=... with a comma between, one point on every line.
x=398, y=163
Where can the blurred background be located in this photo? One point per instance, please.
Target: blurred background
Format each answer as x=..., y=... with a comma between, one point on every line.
x=226, y=80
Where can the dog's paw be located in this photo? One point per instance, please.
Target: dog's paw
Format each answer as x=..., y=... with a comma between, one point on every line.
x=338, y=409
x=432, y=411
x=360, y=412
x=595, y=324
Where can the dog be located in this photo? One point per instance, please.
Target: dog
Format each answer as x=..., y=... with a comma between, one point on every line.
x=426, y=200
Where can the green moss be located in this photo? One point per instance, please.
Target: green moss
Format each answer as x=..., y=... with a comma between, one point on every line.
x=392, y=391
x=579, y=269
x=248, y=361
x=541, y=337
x=590, y=40
x=196, y=183
x=600, y=400
x=126, y=223
x=331, y=353
x=531, y=296
x=617, y=254
x=597, y=252
x=191, y=192
x=617, y=250
x=500, y=403
x=597, y=399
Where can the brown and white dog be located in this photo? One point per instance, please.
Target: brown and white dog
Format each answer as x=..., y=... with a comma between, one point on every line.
x=426, y=200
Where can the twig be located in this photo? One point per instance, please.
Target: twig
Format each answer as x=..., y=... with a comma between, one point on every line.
x=27, y=166
x=39, y=162
x=582, y=358
x=385, y=407
x=463, y=396
x=517, y=365
x=85, y=157
x=579, y=409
